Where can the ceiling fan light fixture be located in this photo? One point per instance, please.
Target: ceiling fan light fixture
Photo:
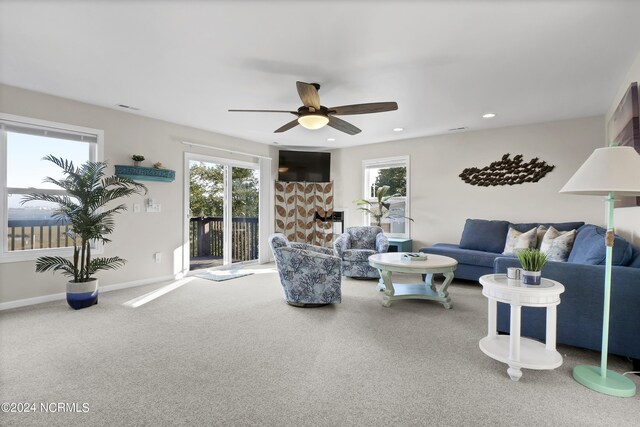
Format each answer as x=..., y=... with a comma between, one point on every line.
x=313, y=121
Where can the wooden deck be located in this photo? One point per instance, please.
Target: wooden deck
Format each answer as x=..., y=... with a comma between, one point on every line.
x=199, y=263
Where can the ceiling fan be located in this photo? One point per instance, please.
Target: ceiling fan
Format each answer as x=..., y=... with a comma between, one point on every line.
x=312, y=115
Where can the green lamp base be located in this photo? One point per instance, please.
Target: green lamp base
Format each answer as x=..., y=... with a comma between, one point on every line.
x=613, y=385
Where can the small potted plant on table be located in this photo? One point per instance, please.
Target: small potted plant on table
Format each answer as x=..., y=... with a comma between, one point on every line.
x=532, y=261
x=88, y=191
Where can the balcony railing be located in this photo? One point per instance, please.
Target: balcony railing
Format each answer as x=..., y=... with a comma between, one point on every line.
x=26, y=234
x=206, y=238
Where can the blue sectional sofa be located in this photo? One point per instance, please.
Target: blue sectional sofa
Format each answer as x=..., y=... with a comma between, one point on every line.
x=580, y=311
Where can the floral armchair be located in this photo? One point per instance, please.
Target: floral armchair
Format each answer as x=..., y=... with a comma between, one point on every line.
x=309, y=275
x=354, y=247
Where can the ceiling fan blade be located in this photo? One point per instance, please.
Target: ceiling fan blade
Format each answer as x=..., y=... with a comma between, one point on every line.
x=373, y=107
x=265, y=111
x=308, y=94
x=290, y=125
x=343, y=126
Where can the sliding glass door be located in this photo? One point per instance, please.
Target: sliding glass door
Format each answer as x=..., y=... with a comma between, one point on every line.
x=245, y=197
x=223, y=211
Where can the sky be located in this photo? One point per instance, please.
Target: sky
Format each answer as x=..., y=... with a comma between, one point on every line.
x=25, y=167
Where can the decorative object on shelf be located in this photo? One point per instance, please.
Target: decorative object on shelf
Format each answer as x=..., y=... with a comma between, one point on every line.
x=507, y=171
x=380, y=209
x=532, y=261
x=414, y=256
x=607, y=172
x=137, y=159
x=304, y=212
x=158, y=165
x=140, y=173
x=88, y=191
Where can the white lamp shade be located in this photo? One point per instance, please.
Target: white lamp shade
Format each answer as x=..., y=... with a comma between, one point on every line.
x=313, y=121
x=608, y=169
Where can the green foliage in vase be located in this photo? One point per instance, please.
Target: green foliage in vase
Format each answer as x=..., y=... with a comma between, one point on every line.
x=137, y=158
x=380, y=209
x=84, y=207
x=531, y=259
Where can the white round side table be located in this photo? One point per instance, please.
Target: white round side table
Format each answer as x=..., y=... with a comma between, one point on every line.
x=516, y=351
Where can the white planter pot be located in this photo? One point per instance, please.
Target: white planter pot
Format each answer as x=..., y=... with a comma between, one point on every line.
x=531, y=277
x=82, y=294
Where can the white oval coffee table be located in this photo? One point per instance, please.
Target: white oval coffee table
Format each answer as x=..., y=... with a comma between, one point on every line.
x=387, y=263
x=511, y=349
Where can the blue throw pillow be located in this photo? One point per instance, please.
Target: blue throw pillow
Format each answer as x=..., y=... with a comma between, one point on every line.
x=484, y=235
x=589, y=247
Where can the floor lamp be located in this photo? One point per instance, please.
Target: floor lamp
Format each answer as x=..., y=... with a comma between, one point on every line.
x=608, y=171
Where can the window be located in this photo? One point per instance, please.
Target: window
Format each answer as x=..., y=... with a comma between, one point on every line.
x=394, y=172
x=28, y=230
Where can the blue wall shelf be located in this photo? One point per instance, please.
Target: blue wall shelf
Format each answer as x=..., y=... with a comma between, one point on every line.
x=139, y=173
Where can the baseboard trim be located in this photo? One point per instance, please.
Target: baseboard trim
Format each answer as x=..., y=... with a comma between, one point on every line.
x=61, y=296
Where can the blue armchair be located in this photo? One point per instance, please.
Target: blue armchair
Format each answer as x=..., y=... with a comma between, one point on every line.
x=309, y=275
x=355, y=246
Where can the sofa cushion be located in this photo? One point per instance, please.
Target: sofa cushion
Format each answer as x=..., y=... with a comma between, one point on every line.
x=357, y=255
x=557, y=244
x=484, y=235
x=635, y=258
x=517, y=240
x=560, y=226
x=463, y=256
x=589, y=247
x=363, y=237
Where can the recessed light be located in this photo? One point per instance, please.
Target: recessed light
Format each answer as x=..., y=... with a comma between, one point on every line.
x=331, y=139
x=398, y=129
x=488, y=115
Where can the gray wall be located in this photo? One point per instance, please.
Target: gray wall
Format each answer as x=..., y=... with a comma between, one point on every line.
x=136, y=236
x=441, y=201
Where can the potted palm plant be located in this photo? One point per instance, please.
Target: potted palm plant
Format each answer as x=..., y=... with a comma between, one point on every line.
x=84, y=208
x=380, y=209
x=532, y=261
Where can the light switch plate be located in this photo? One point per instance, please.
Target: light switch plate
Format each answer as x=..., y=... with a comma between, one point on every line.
x=153, y=207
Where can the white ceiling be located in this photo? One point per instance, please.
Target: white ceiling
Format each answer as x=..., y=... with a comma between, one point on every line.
x=444, y=62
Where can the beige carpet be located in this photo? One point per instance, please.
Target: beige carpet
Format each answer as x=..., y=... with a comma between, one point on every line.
x=233, y=353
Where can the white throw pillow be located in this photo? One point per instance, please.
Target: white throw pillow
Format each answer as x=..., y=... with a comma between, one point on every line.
x=557, y=244
x=517, y=240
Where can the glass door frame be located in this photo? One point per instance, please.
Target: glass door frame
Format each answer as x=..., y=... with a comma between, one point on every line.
x=228, y=164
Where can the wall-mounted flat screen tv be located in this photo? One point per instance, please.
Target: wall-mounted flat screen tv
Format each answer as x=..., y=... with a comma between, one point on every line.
x=309, y=166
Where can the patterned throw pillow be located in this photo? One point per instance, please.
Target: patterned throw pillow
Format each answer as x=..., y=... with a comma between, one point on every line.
x=557, y=244
x=540, y=232
x=517, y=240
